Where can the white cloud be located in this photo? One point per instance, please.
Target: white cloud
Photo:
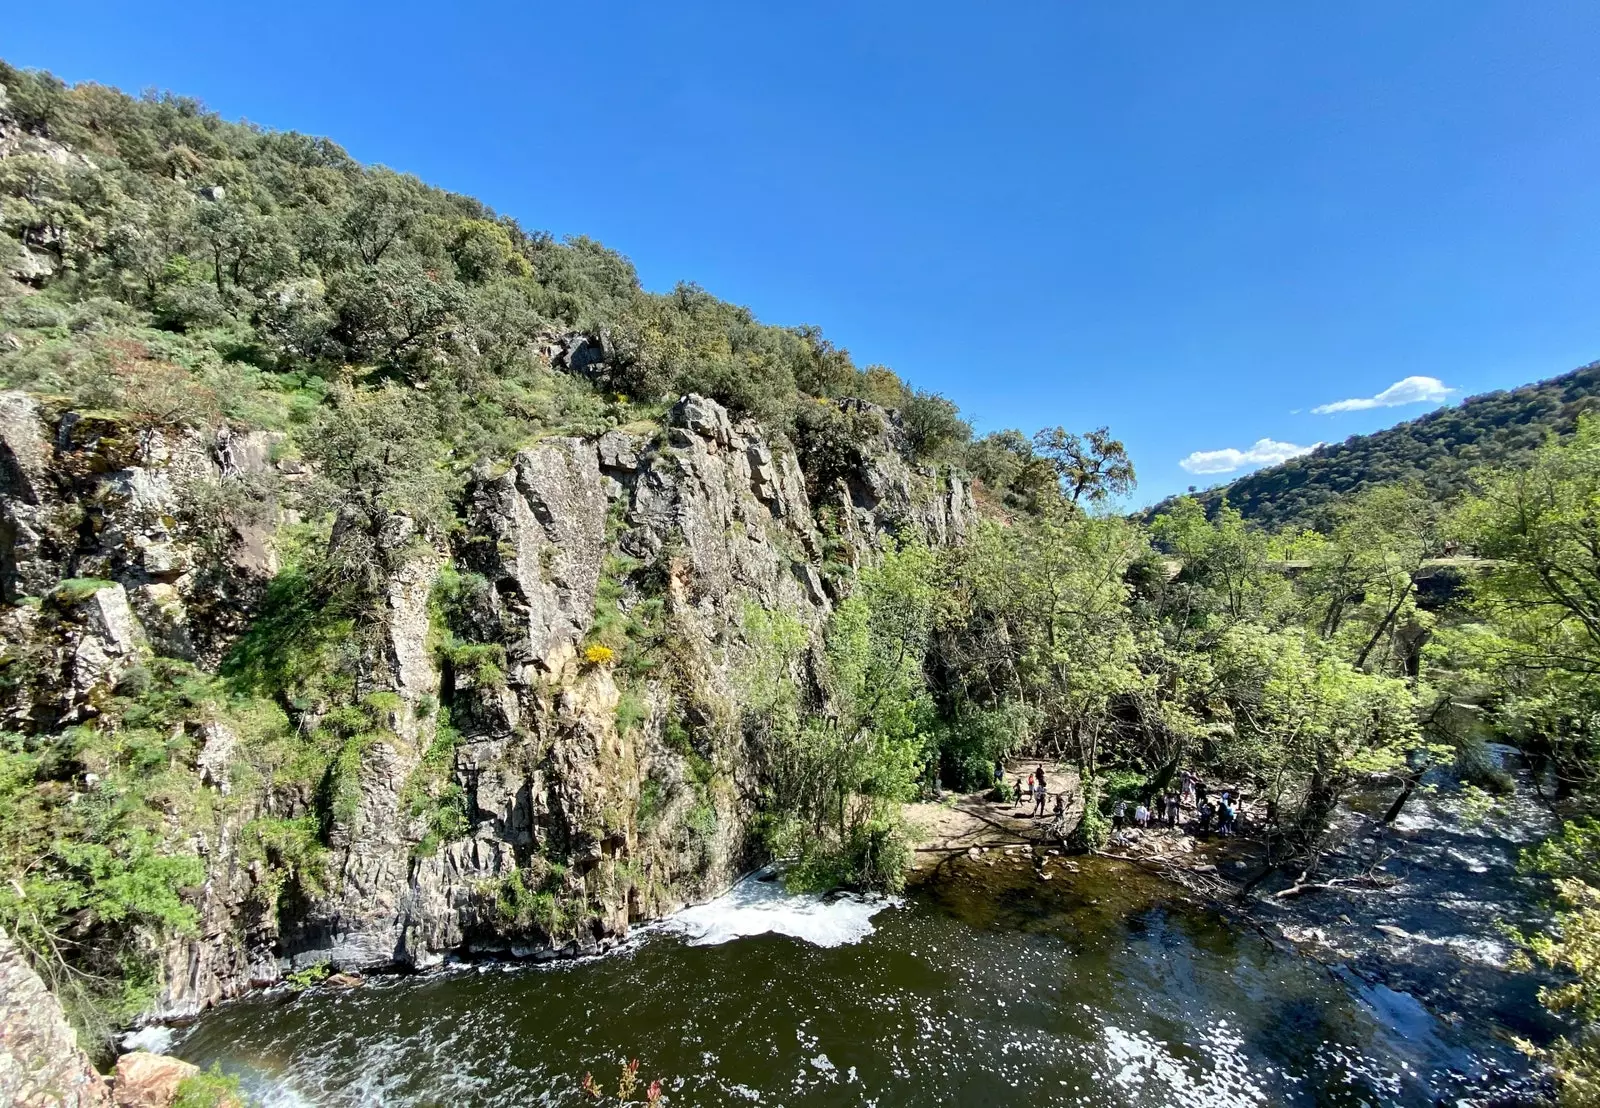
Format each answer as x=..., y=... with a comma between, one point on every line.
x=1266, y=452
x=1413, y=390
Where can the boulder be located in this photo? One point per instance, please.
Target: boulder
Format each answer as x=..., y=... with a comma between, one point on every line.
x=702, y=417
x=145, y=1080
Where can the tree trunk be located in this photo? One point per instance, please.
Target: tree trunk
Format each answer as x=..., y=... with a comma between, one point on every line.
x=1384, y=626
x=1399, y=804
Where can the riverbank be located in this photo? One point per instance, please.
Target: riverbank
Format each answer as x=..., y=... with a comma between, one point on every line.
x=1416, y=910
x=965, y=822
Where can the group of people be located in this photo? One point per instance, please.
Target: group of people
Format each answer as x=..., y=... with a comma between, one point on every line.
x=1221, y=814
x=1164, y=809
x=1036, y=791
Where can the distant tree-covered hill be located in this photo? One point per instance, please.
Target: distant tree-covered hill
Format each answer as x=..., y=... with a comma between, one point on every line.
x=1439, y=450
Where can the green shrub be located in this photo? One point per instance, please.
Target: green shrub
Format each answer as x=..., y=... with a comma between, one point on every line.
x=211, y=1089
x=1093, y=830
x=314, y=974
x=75, y=590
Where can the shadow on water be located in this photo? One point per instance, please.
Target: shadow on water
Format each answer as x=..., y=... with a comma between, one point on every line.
x=988, y=987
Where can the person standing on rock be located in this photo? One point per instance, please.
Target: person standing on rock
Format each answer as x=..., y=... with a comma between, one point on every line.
x=1038, y=797
x=1160, y=811
x=1119, y=815
x=1016, y=794
x=1174, y=809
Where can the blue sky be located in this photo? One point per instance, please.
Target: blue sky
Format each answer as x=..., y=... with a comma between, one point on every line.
x=1193, y=222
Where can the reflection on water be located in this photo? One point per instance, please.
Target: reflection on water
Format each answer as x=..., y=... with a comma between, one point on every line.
x=994, y=989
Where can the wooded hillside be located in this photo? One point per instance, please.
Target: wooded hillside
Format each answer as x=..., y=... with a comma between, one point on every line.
x=1439, y=450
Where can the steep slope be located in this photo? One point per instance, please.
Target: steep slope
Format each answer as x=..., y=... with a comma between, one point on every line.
x=380, y=582
x=1438, y=450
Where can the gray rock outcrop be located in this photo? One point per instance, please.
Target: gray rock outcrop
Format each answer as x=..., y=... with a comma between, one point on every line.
x=598, y=785
x=40, y=1063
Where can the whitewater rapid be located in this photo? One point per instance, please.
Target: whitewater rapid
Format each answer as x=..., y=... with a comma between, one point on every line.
x=760, y=905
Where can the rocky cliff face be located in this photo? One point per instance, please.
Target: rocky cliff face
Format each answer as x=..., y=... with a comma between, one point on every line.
x=40, y=1063
x=596, y=785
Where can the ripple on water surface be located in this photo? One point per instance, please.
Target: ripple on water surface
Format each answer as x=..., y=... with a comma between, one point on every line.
x=972, y=995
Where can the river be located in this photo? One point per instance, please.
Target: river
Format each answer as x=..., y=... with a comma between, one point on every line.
x=987, y=987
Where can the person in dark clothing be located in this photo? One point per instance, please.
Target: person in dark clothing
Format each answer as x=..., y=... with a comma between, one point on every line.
x=1058, y=819
x=1038, y=797
x=1206, y=812
x=1016, y=794
x=1119, y=815
x=1160, y=806
x=1038, y=775
x=1173, y=809
x=1199, y=792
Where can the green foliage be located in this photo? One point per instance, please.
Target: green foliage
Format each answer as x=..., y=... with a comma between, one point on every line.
x=933, y=425
x=1092, y=467
x=876, y=855
x=210, y=1089
x=971, y=738
x=530, y=899
x=1007, y=467
x=1573, y=852
x=99, y=828
x=1122, y=785
x=631, y=711
x=1572, y=949
x=396, y=336
x=451, y=604
x=702, y=819
x=1094, y=829
x=834, y=783
x=300, y=648
x=1536, y=642
x=314, y=974
x=292, y=848
x=432, y=797
x=75, y=590
x=652, y=800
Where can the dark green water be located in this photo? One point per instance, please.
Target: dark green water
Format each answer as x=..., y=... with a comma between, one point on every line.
x=993, y=988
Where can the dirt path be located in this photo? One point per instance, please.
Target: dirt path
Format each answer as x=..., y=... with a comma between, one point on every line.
x=965, y=821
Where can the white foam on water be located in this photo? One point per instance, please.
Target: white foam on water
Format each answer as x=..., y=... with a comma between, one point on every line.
x=1145, y=1067
x=154, y=1038
x=757, y=907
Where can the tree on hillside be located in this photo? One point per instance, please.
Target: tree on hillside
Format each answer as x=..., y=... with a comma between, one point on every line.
x=1093, y=465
